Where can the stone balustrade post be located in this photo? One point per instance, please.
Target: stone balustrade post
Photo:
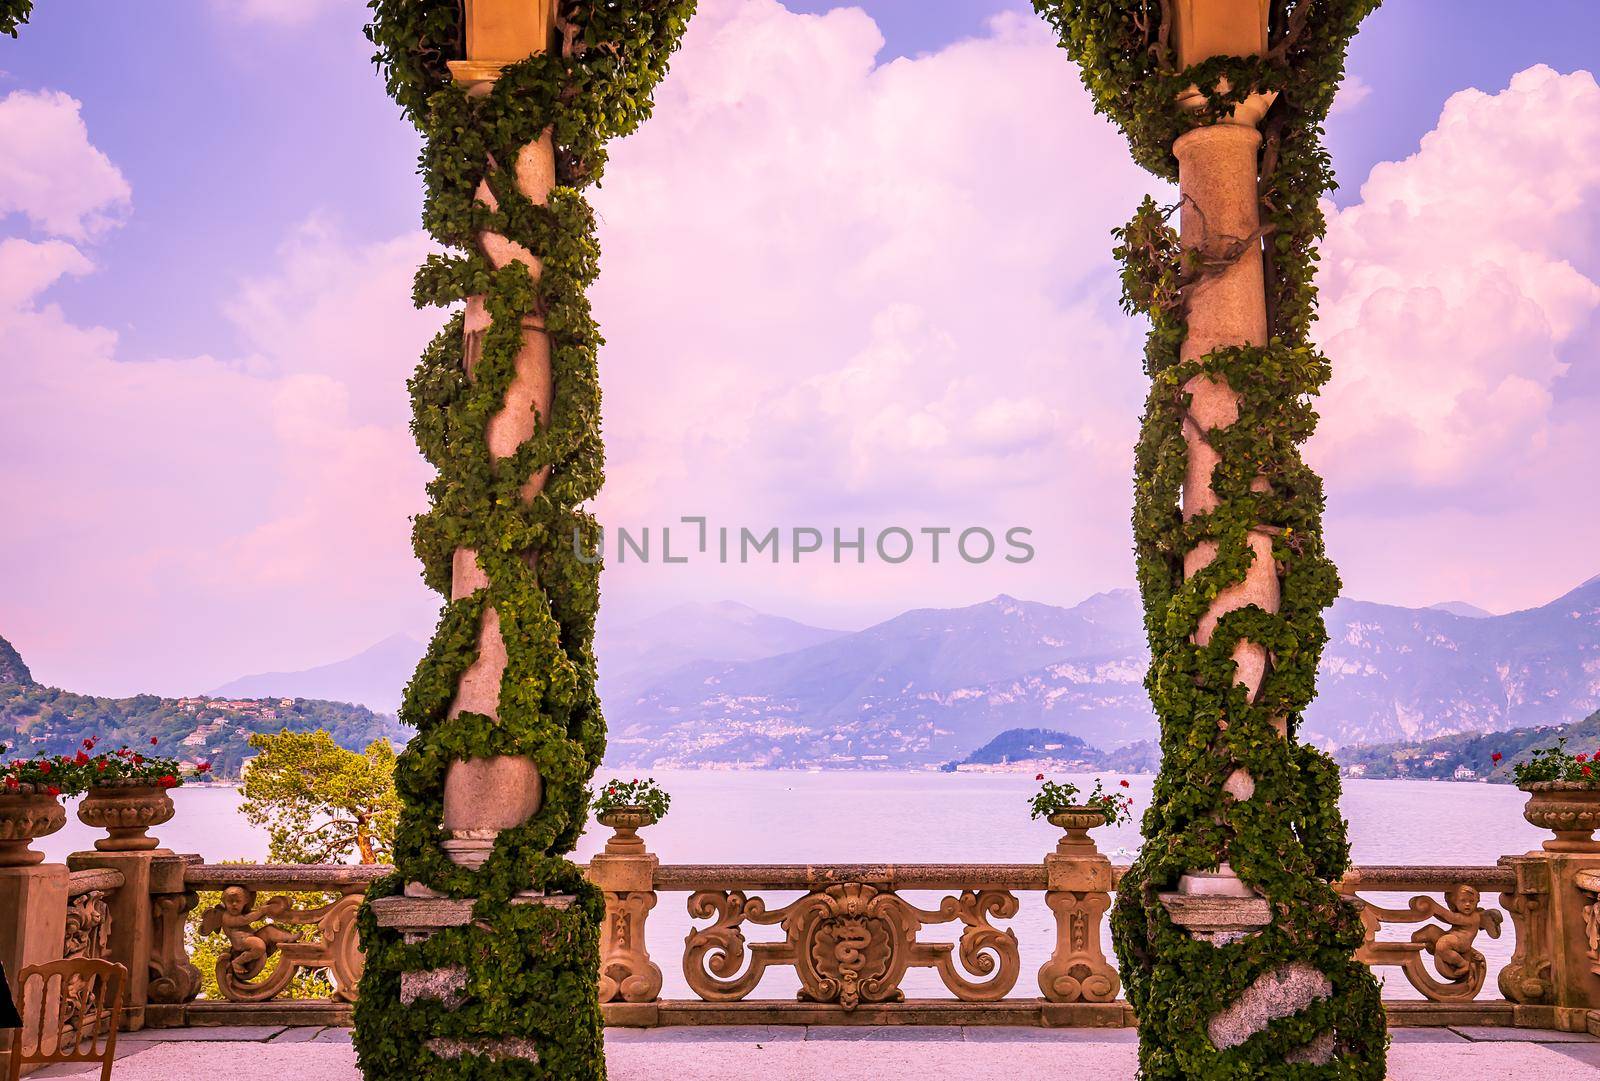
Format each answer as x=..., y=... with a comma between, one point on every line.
x=1554, y=973
x=129, y=914
x=174, y=981
x=629, y=980
x=33, y=923
x=1078, y=883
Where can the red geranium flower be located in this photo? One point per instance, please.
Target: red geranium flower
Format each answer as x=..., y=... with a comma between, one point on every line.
x=11, y=782
x=138, y=759
x=1123, y=783
x=1580, y=758
x=1038, y=776
x=100, y=766
x=44, y=768
x=153, y=741
x=1495, y=757
x=80, y=759
x=168, y=781
x=202, y=767
x=53, y=790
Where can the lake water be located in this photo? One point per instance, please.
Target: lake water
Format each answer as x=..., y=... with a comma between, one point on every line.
x=923, y=817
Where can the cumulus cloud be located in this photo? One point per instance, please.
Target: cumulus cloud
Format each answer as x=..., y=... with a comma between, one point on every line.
x=1461, y=310
x=205, y=509
x=836, y=292
x=50, y=173
x=1455, y=292
x=837, y=289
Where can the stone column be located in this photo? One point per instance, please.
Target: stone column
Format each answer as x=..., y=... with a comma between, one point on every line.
x=483, y=796
x=1220, y=218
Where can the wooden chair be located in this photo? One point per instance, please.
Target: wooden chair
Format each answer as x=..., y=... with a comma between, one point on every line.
x=70, y=1011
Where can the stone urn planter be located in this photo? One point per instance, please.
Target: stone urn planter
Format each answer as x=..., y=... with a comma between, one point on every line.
x=125, y=810
x=1569, y=809
x=1077, y=822
x=627, y=822
x=27, y=813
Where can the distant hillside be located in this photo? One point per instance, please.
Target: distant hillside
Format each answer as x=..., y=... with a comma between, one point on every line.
x=1440, y=759
x=933, y=685
x=35, y=719
x=1048, y=750
x=12, y=670
x=375, y=677
x=632, y=655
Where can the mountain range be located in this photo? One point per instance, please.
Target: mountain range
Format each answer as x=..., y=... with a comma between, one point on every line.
x=723, y=684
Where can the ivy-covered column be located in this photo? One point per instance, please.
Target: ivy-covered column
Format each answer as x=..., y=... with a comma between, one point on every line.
x=483, y=946
x=1236, y=951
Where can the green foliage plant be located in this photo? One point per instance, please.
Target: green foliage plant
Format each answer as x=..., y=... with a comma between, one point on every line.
x=75, y=774
x=1556, y=764
x=1287, y=840
x=13, y=13
x=531, y=969
x=646, y=795
x=1054, y=797
x=320, y=803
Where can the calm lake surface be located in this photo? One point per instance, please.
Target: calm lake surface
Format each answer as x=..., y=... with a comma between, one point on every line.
x=920, y=817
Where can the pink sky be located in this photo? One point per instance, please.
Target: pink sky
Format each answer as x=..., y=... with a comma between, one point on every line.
x=838, y=292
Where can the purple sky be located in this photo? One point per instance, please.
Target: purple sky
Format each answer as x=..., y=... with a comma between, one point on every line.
x=856, y=275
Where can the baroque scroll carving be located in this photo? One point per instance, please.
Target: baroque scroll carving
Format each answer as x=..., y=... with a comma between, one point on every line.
x=1461, y=969
x=1526, y=979
x=173, y=977
x=852, y=943
x=88, y=931
x=256, y=935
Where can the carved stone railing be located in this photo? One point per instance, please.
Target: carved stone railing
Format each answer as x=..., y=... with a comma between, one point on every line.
x=850, y=934
x=270, y=940
x=852, y=937
x=1440, y=958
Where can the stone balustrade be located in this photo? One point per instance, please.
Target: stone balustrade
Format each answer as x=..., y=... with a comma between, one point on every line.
x=862, y=943
x=849, y=934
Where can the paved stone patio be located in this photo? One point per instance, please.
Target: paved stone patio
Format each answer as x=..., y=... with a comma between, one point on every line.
x=801, y=1054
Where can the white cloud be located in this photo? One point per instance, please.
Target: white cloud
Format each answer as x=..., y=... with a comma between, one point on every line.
x=1461, y=310
x=1452, y=296
x=1352, y=92
x=207, y=511
x=837, y=290
x=50, y=173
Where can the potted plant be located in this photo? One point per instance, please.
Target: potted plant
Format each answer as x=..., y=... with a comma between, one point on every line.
x=30, y=803
x=1563, y=796
x=127, y=795
x=1065, y=805
x=626, y=807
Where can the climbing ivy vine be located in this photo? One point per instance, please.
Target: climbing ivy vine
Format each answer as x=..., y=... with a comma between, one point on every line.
x=13, y=13
x=530, y=970
x=1287, y=840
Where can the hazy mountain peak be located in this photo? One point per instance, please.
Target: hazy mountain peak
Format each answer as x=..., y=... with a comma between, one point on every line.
x=12, y=668
x=1461, y=608
x=376, y=677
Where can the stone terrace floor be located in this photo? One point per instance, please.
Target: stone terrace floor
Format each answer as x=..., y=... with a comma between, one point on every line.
x=802, y=1054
